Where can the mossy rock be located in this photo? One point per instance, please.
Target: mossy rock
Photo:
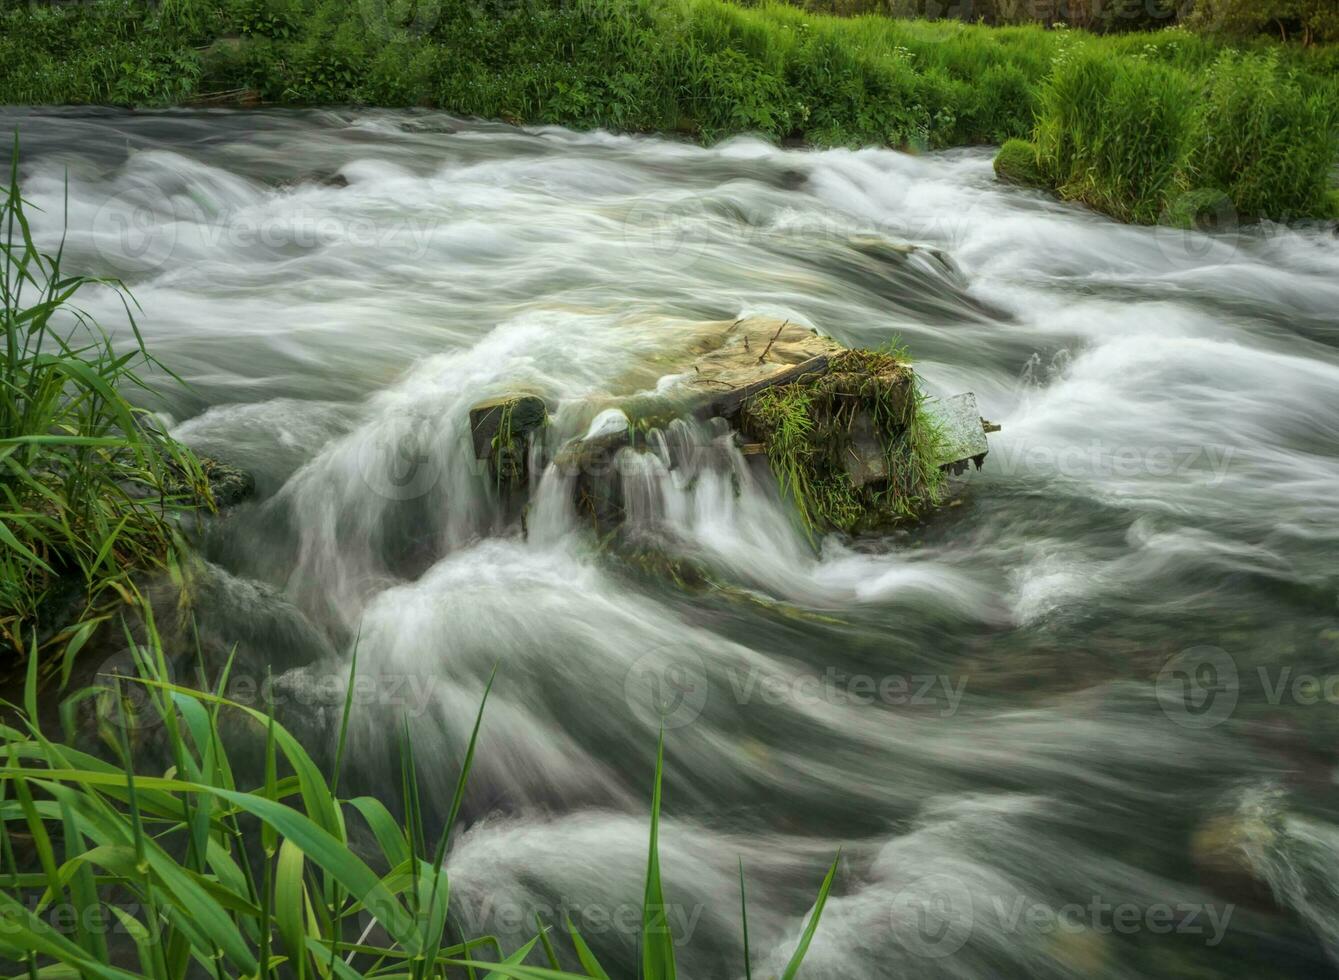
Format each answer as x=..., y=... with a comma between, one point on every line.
x=849, y=446
x=1017, y=163
x=1332, y=197
x=228, y=485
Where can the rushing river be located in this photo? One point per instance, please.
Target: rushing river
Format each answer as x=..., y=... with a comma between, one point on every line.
x=1081, y=723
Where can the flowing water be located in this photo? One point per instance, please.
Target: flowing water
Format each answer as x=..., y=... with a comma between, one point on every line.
x=1078, y=724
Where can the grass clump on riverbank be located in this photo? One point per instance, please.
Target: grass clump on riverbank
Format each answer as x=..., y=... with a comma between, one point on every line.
x=1147, y=142
x=1125, y=123
x=89, y=485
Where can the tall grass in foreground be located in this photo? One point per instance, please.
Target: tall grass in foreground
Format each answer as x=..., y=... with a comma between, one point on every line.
x=88, y=483
x=207, y=875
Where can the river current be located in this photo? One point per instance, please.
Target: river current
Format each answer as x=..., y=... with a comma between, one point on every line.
x=1079, y=723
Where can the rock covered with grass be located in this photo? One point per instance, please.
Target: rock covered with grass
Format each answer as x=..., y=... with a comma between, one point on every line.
x=850, y=445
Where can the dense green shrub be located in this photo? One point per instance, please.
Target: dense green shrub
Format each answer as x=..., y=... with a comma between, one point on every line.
x=1132, y=136
x=89, y=484
x=1306, y=20
x=1262, y=139
x=1116, y=134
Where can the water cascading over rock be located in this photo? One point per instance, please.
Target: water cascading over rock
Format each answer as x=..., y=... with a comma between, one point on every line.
x=847, y=433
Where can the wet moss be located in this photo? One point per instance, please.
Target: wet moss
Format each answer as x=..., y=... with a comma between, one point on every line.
x=1017, y=163
x=850, y=447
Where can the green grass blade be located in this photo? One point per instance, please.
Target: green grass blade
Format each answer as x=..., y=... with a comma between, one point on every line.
x=657, y=938
x=744, y=922
x=585, y=956
x=793, y=967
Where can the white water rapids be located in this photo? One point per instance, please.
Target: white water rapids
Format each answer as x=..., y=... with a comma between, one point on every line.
x=985, y=713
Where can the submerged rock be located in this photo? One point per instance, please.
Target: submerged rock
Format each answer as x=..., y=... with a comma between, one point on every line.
x=499, y=431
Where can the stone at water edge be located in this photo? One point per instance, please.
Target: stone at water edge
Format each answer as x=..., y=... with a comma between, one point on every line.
x=229, y=485
x=962, y=431
x=527, y=413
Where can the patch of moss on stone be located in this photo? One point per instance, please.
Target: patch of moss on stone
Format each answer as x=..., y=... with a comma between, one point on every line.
x=1017, y=163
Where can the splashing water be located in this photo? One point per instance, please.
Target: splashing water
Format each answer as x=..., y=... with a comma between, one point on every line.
x=1002, y=716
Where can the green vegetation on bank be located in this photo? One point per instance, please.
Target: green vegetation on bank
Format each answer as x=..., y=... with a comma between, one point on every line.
x=111, y=868
x=1308, y=21
x=89, y=485
x=1127, y=123
x=1147, y=142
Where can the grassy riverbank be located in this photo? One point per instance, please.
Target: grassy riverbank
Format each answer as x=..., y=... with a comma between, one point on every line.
x=91, y=486
x=1143, y=126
